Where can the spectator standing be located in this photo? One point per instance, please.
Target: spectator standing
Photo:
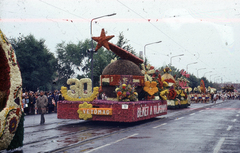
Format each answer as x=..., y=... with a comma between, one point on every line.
x=42, y=102
x=50, y=103
x=23, y=104
x=31, y=103
x=26, y=103
x=60, y=97
x=56, y=99
x=35, y=101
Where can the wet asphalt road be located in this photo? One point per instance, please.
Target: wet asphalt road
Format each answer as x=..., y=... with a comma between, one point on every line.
x=200, y=128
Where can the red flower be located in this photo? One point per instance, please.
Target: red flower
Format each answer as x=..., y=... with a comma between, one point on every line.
x=160, y=83
x=119, y=93
x=172, y=94
x=185, y=97
x=17, y=112
x=124, y=87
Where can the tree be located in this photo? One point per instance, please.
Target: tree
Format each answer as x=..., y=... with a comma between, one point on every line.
x=71, y=57
x=37, y=64
x=123, y=43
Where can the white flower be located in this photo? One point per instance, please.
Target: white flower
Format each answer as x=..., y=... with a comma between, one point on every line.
x=146, y=72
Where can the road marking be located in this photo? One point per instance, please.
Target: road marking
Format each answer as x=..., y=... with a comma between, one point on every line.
x=159, y=125
x=237, y=115
x=201, y=110
x=229, y=128
x=192, y=114
x=111, y=143
x=218, y=147
x=160, y=117
x=179, y=118
x=234, y=120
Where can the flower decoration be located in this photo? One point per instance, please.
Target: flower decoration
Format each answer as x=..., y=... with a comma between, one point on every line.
x=126, y=92
x=172, y=94
x=102, y=40
x=13, y=125
x=113, y=60
x=77, y=92
x=10, y=94
x=163, y=94
x=146, y=71
x=167, y=70
x=184, y=73
x=81, y=114
x=151, y=87
x=91, y=98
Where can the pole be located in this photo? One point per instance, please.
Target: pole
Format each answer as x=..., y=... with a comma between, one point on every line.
x=174, y=56
x=92, y=51
x=190, y=64
x=200, y=69
x=206, y=73
x=145, y=49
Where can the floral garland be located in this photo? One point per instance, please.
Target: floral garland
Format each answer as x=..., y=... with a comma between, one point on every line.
x=11, y=114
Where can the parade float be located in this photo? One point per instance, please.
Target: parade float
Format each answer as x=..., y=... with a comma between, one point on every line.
x=131, y=91
x=11, y=115
x=177, y=89
x=202, y=94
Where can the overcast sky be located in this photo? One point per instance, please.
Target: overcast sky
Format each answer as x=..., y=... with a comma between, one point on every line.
x=205, y=31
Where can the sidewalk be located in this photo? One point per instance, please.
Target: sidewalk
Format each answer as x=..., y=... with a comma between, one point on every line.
x=34, y=120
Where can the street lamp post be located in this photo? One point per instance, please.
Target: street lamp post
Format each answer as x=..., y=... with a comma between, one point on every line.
x=211, y=76
x=175, y=56
x=216, y=77
x=200, y=69
x=206, y=73
x=190, y=64
x=92, y=51
x=147, y=45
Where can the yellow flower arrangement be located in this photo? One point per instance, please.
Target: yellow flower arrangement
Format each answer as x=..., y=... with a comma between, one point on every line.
x=90, y=98
x=151, y=87
x=163, y=94
x=81, y=114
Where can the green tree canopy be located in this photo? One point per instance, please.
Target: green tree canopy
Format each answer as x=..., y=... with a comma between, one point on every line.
x=71, y=57
x=37, y=64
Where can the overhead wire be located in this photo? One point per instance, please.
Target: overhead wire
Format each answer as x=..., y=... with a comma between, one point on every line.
x=166, y=34
x=138, y=15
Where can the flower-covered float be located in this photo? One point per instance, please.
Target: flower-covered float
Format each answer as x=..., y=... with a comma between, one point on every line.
x=11, y=116
x=177, y=89
x=201, y=94
x=128, y=93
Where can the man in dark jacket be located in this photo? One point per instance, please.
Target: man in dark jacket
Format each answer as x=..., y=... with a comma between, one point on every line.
x=31, y=103
x=42, y=102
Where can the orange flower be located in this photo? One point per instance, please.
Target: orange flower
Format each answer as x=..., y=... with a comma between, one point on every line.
x=150, y=87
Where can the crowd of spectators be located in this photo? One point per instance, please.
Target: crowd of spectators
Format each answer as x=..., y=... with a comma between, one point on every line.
x=29, y=101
